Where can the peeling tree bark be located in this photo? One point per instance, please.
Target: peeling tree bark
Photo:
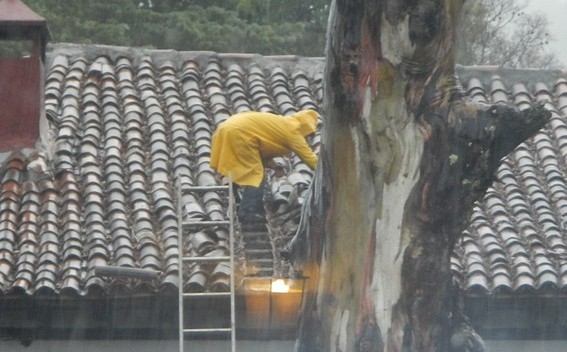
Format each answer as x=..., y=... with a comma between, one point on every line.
x=404, y=157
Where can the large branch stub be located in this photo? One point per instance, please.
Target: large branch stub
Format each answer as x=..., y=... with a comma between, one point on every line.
x=463, y=152
x=404, y=157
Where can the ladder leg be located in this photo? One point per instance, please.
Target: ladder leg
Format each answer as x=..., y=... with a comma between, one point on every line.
x=180, y=264
x=182, y=258
x=232, y=276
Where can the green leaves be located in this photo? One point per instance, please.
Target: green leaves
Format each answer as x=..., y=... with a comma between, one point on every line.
x=253, y=26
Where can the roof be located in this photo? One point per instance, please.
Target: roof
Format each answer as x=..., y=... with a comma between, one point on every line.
x=17, y=21
x=16, y=12
x=129, y=125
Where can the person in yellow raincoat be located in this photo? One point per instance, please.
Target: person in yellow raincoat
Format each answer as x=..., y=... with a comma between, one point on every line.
x=246, y=142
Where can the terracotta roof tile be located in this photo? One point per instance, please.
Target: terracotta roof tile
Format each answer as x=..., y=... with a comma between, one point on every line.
x=498, y=91
x=130, y=129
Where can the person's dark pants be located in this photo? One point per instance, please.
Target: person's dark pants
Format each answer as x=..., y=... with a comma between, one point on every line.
x=251, y=206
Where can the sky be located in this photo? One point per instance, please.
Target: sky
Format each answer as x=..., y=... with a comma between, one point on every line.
x=556, y=13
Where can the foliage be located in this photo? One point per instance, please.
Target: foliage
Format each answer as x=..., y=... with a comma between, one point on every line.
x=15, y=48
x=499, y=32
x=254, y=26
x=279, y=27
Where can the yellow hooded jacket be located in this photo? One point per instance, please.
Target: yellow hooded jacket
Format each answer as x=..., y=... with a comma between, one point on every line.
x=243, y=142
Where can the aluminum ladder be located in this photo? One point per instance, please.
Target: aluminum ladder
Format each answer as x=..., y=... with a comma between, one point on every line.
x=200, y=224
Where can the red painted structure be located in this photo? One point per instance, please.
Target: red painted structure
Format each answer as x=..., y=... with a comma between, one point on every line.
x=21, y=77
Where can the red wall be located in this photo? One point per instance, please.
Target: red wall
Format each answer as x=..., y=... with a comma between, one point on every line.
x=20, y=101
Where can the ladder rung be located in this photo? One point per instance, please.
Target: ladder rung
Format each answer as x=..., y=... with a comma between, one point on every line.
x=205, y=188
x=196, y=331
x=205, y=223
x=206, y=259
x=255, y=234
x=258, y=251
x=207, y=294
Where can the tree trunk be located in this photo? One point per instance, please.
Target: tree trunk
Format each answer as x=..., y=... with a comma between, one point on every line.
x=404, y=156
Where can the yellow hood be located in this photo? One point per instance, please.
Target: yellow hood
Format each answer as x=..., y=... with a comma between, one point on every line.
x=304, y=121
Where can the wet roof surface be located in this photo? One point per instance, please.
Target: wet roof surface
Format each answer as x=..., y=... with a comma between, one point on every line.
x=129, y=126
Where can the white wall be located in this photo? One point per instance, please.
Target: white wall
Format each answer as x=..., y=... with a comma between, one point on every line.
x=146, y=346
x=526, y=346
x=222, y=346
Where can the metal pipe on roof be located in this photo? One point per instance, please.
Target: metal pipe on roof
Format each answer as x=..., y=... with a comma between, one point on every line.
x=120, y=271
